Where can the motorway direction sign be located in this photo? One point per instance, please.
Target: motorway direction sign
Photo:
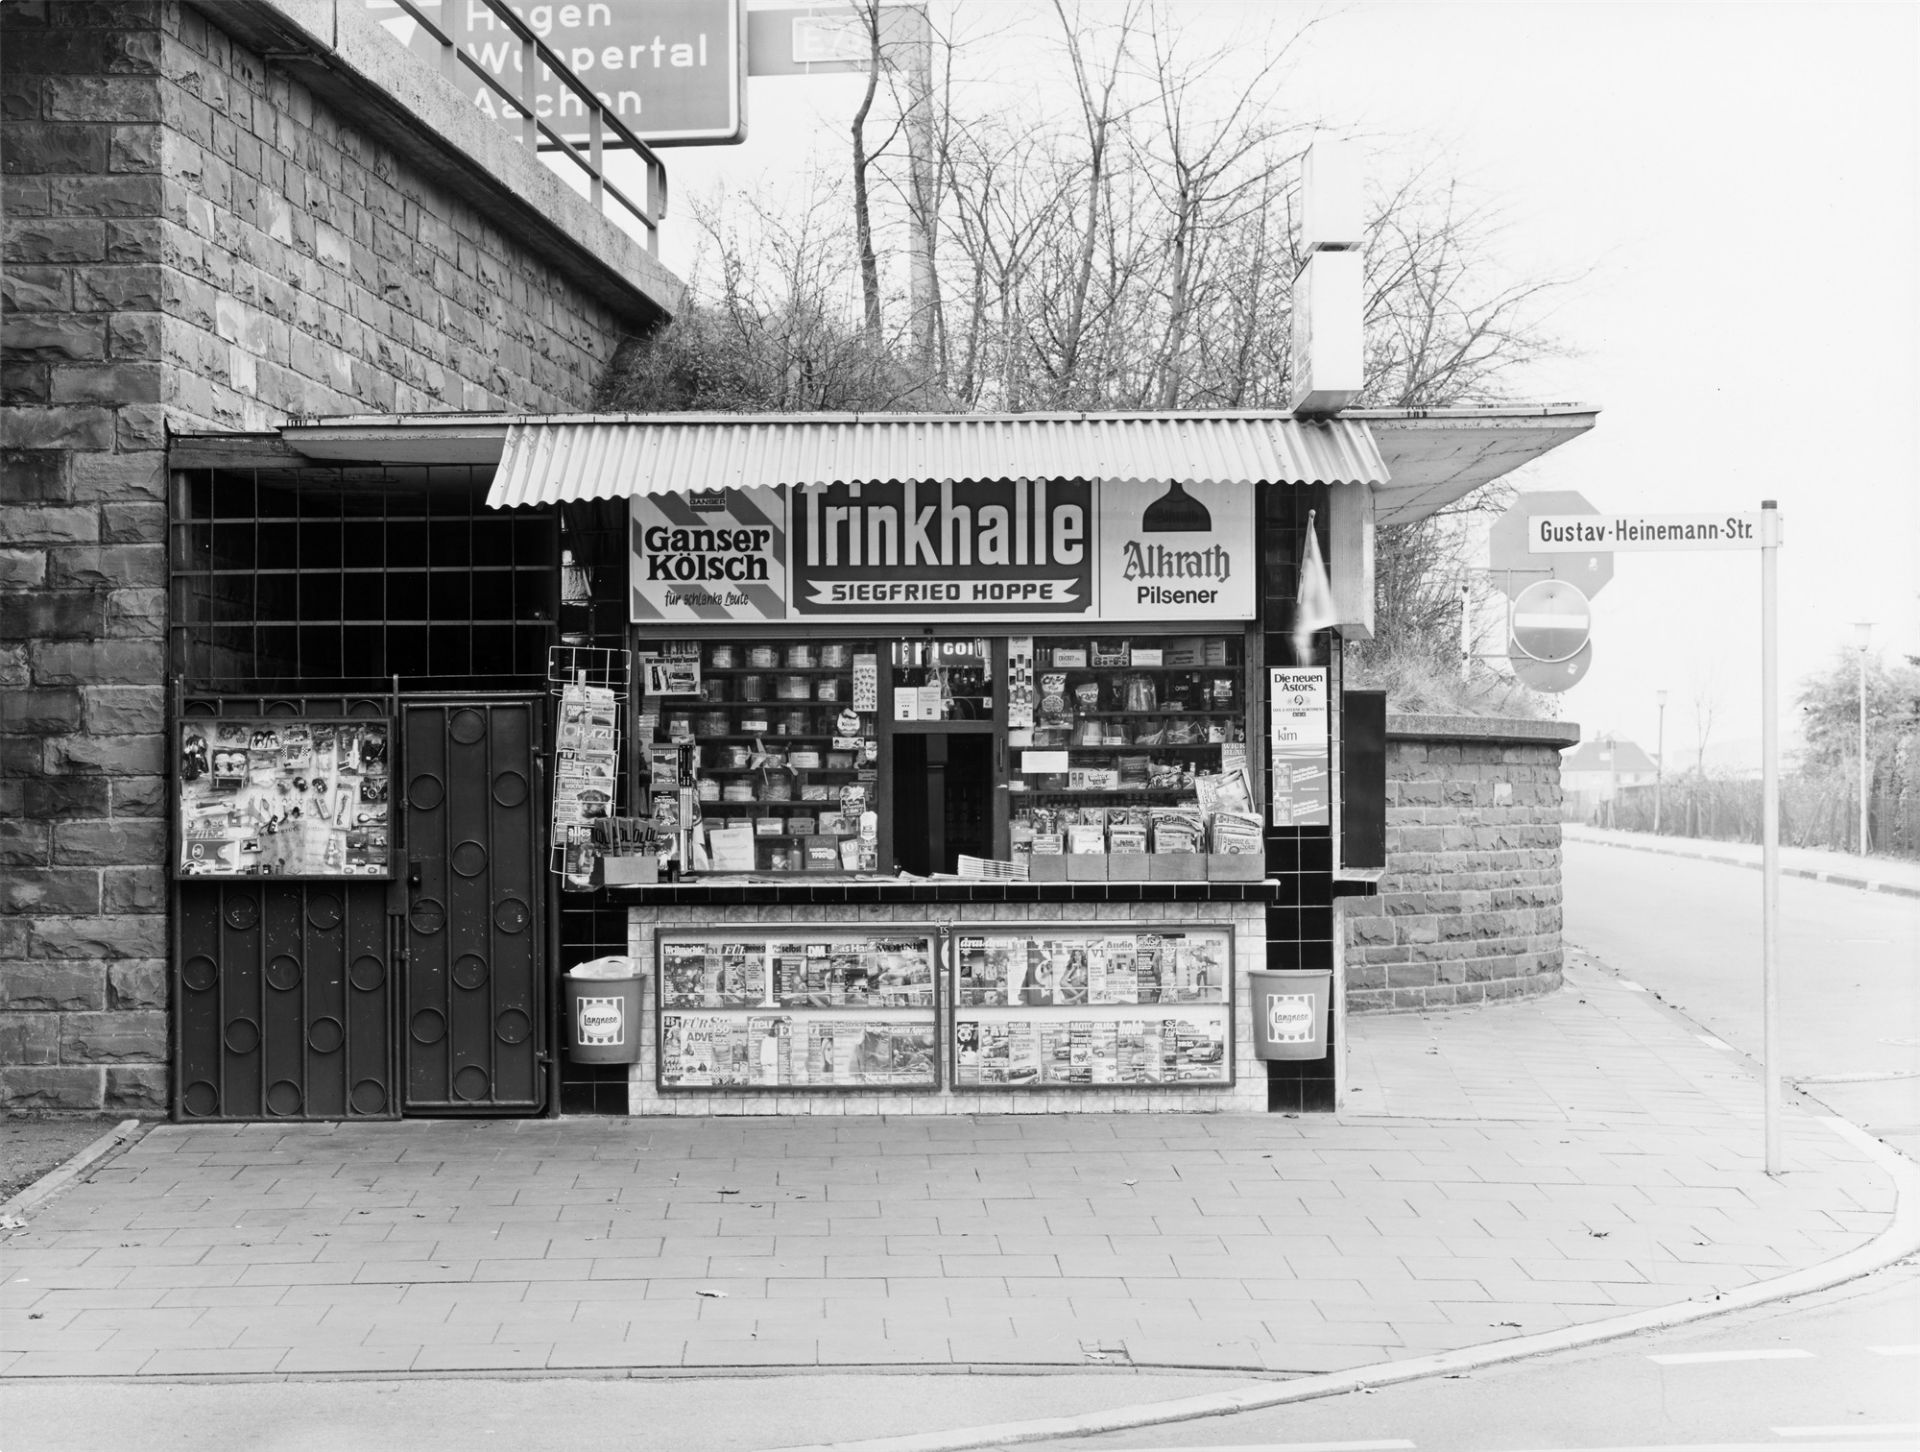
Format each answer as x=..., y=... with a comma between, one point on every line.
x=1552, y=621
x=673, y=70
x=1516, y=564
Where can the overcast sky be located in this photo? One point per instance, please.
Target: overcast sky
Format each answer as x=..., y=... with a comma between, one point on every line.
x=1737, y=182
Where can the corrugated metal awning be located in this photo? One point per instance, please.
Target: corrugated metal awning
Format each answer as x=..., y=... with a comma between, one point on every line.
x=544, y=461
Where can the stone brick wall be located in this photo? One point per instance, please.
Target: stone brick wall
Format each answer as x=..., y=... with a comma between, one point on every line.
x=1469, y=907
x=193, y=241
x=1247, y=1095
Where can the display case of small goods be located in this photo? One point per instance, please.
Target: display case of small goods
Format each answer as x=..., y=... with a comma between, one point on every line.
x=800, y=1007
x=1061, y=1006
x=761, y=755
x=275, y=796
x=1136, y=764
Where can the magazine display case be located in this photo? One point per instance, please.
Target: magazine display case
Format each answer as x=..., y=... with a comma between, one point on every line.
x=811, y=1007
x=288, y=797
x=1047, y=1007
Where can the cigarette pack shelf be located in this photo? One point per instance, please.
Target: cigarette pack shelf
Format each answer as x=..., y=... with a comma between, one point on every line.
x=783, y=740
x=1086, y=1006
x=806, y=1007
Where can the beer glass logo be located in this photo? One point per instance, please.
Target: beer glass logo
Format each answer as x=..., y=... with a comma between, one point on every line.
x=1176, y=512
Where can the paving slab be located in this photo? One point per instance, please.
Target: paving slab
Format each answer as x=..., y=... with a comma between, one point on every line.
x=1498, y=1173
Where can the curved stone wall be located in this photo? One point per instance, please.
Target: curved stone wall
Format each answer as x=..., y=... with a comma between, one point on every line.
x=1469, y=906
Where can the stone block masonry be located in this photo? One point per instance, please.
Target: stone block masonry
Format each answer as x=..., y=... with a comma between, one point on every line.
x=1469, y=908
x=197, y=241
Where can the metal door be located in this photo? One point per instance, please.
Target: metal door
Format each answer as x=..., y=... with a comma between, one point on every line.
x=284, y=1001
x=475, y=1008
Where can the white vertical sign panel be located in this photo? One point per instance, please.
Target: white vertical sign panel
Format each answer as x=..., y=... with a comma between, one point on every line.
x=1300, y=770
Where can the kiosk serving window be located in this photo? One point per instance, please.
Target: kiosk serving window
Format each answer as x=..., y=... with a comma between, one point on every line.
x=1122, y=755
x=885, y=675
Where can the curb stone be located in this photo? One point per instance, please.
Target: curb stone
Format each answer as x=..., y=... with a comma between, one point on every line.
x=1899, y=1240
x=1838, y=879
x=56, y=1179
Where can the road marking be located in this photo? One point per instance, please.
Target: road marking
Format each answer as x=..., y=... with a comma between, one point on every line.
x=1880, y=1429
x=1711, y=1042
x=1391, y=1444
x=1848, y=1446
x=1699, y=1358
x=1895, y=1350
x=1629, y=985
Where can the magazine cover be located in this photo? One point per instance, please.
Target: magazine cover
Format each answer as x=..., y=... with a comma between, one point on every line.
x=1023, y=1054
x=1105, y=1049
x=1099, y=985
x=1146, y=960
x=966, y=1053
x=742, y=974
x=971, y=984
x=995, y=1053
x=819, y=1053
x=1081, y=1031
x=913, y=1054
x=1056, y=1051
x=790, y=973
x=1070, y=972
x=1123, y=983
x=870, y=1061
x=905, y=974
x=683, y=972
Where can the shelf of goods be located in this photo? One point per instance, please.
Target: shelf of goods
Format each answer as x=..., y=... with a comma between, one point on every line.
x=812, y=1008
x=1073, y=1007
x=783, y=760
x=1134, y=743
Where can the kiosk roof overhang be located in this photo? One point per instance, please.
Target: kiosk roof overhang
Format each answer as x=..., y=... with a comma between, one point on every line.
x=1417, y=461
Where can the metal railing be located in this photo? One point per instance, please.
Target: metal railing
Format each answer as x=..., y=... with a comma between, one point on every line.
x=534, y=131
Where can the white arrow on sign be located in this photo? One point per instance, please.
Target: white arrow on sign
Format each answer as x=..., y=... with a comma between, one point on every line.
x=1551, y=620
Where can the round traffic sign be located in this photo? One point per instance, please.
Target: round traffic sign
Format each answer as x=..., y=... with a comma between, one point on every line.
x=1551, y=621
x=1560, y=676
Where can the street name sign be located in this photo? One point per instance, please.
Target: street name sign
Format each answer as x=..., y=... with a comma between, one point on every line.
x=1587, y=533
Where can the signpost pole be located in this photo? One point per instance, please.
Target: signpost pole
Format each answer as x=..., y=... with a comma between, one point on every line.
x=1770, y=825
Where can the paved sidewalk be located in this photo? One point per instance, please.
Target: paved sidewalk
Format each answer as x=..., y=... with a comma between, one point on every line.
x=1874, y=874
x=1512, y=1170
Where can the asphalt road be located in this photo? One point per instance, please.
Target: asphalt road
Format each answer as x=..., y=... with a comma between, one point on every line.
x=1849, y=975
x=1831, y=1370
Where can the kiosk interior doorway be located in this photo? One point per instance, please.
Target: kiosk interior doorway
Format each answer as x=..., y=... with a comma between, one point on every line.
x=943, y=798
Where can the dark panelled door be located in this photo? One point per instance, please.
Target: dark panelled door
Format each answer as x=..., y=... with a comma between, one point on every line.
x=474, y=1007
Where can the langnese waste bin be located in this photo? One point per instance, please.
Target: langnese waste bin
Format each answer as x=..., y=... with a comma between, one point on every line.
x=603, y=1012
x=1290, y=1012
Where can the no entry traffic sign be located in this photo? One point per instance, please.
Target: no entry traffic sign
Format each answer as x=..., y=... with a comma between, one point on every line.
x=1551, y=620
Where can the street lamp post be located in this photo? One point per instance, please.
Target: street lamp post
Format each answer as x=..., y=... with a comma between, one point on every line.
x=1659, y=760
x=1862, y=633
